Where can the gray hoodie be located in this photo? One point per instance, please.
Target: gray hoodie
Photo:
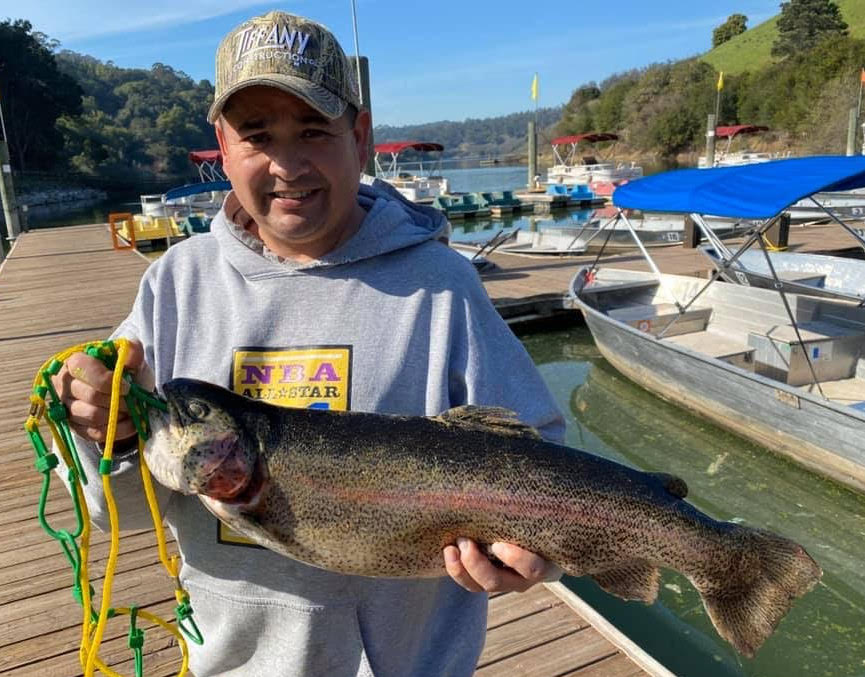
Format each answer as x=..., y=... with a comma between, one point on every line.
x=393, y=321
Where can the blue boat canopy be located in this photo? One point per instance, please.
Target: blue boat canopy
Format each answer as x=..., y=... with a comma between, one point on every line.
x=755, y=191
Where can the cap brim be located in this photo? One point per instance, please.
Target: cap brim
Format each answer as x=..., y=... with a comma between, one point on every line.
x=325, y=102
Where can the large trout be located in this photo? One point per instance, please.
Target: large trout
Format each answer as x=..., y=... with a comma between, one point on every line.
x=380, y=495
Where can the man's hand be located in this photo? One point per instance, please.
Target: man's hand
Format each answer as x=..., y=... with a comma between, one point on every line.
x=84, y=386
x=473, y=570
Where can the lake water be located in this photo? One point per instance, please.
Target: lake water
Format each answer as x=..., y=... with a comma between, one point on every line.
x=729, y=479
x=461, y=180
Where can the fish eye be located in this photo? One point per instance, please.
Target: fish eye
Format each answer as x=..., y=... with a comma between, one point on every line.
x=197, y=409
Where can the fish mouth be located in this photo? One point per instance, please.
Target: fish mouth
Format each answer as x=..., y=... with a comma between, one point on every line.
x=234, y=488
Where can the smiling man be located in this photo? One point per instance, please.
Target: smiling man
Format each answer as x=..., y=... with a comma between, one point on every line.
x=315, y=289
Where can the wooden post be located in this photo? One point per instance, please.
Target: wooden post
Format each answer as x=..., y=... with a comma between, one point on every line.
x=367, y=105
x=778, y=234
x=691, y=237
x=7, y=193
x=851, y=132
x=710, y=141
x=533, y=154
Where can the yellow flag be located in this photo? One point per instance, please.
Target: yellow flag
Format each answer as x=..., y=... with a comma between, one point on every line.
x=535, y=88
x=721, y=81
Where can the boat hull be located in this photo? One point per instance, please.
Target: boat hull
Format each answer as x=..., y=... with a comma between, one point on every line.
x=812, y=274
x=825, y=437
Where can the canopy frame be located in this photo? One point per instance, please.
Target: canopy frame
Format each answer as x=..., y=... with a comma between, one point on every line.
x=573, y=141
x=389, y=168
x=854, y=177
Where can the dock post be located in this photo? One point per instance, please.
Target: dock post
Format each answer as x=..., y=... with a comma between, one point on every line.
x=851, y=132
x=533, y=155
x=692, y=235
x=710, y=141
x=363, y=70
x=778, y=234
x=7, y=193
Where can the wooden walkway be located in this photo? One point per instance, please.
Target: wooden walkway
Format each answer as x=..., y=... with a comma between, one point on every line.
x=61, y=287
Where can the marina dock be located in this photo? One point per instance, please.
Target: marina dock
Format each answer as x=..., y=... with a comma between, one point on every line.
x=64, y=286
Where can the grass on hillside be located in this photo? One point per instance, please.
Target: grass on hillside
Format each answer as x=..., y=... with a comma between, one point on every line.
x=752, y=50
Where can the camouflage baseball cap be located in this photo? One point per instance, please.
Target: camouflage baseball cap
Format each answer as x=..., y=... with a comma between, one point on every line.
x=290, y=52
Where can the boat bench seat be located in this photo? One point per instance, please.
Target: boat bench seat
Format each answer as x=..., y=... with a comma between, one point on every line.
x=833, y=352
x=718, y=346
x=811, y=279
x=654, y=318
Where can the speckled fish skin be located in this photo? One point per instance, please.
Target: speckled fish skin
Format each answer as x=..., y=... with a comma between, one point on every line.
x=378, y=495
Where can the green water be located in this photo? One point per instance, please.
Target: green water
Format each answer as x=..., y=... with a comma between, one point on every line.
x=730, y=479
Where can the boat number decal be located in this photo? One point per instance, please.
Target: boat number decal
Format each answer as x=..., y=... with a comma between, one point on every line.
x=787, y=398
x=674, y=237
x=644, y=325
x=311, y=377
x=743, y=279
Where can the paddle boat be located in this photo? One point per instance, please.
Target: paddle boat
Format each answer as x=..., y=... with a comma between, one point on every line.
x=571, y=169
x=782, y=369
x=423, y=186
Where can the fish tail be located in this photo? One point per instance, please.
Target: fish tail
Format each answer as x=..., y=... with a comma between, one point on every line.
x=749, y=602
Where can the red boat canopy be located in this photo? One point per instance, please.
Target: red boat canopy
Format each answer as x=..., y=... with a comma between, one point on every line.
x=399, y=146
x=733, y=130
x=589, y=137
x=199, y=156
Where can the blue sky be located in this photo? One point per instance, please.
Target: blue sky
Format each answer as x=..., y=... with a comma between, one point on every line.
x=441, y=60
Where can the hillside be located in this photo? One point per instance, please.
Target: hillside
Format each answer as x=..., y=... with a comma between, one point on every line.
x=752, y=49
x=502, y=137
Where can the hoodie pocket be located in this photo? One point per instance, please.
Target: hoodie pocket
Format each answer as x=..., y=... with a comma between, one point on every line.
x=270, y=636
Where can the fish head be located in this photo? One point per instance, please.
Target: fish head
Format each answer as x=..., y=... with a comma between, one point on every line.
x=201, y=445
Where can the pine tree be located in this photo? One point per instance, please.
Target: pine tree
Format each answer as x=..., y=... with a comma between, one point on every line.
x=804, y=23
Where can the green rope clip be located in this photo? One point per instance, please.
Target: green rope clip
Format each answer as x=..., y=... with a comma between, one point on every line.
x=183, y=613
x=135, y=640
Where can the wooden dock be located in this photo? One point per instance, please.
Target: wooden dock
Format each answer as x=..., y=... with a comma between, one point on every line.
x=60, y=287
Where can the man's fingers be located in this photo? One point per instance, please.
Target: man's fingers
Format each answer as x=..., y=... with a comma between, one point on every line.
x=530, y=566
x=92, y=372
x=457, y=571
x=87, y=393
x=135, y=356
x=484, y=573
x=125, y=430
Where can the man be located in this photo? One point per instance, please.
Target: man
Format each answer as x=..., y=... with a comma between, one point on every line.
x=315, y=290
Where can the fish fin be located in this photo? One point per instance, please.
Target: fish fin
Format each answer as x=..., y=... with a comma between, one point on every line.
x=495, y=419
x=635, y=580
x=773, y=572
x=674, y=484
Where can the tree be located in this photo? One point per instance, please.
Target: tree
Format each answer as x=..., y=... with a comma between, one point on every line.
x=736, y=24
x=34, y=93
x=804, y=23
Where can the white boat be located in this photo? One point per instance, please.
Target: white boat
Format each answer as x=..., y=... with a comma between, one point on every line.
x=615, y=235
x=571, y=169
x=424, y=185
x=727, y=158
x=784, y=370
x=204, y=198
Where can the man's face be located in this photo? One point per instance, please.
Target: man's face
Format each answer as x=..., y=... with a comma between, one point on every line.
x=293, y=170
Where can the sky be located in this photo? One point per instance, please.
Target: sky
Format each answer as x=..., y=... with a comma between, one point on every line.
x=429, y=61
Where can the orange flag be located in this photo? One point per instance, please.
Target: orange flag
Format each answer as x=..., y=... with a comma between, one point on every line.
x=862, y=77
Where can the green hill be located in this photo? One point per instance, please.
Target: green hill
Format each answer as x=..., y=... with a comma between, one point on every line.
x=752, y=49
